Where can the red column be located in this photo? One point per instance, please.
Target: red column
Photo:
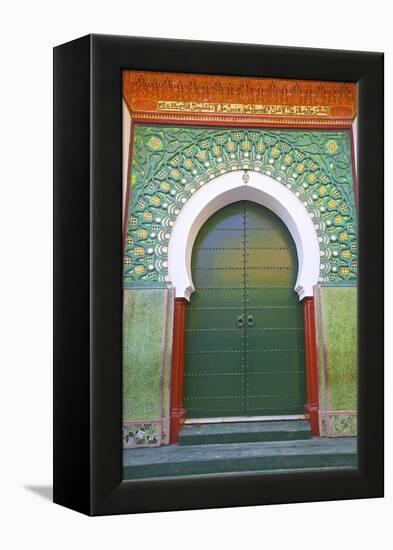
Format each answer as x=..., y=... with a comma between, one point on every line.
x=177, y=412
x=310, y=347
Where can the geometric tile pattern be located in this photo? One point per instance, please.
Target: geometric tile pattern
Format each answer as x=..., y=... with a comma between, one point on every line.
x=169, y=164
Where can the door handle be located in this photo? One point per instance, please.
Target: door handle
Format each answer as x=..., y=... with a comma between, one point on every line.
x=250, y=320
x=240, y=321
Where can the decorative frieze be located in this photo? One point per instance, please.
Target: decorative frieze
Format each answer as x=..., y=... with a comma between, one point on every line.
x=194, y=97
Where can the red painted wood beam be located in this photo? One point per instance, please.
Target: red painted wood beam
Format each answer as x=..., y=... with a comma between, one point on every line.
x=311, y=408
x=177, y=412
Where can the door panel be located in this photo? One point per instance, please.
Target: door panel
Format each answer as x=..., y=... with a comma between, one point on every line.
x=221, y=297
x=277, y=362
x=209, y=317
x=272, y=316
x=271, y=277
x=271, y=405
x=204, y=339
x=215, y=257
x=220, y=276
x=214, y=359
x=264, y=295
x=244, y=328
x=215, y=407
x=275, y=337
x=263, y=257
x=270, y=271
x=289, y=383
x=220, y=237
x=266, y=238
x=211, y=366
x=219, y=386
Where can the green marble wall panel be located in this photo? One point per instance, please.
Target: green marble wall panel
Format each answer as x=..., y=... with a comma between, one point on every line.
x=147, y=335
x=169, y=164
x=336, y=321
x=166, y=378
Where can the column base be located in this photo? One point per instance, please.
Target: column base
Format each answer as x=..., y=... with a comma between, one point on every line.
x=312, y=413
x=177, y=420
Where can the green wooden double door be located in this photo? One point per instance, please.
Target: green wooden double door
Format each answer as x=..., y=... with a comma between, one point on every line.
x=244, y=353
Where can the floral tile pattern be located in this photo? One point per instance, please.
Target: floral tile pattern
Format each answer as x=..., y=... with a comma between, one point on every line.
x=142, y=434
x=169, y=164
x=338, y=424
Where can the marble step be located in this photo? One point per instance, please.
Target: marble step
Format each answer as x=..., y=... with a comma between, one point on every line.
x=182, y=460
x=244, y=432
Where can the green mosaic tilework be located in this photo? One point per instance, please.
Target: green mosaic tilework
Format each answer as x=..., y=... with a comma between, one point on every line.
x=340, y=321
x=142, y=353
x=169, y=164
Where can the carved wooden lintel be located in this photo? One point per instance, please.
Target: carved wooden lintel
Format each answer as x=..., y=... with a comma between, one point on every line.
x=199, y=98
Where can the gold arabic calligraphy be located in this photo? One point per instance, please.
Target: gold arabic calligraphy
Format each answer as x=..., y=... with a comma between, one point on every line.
x=254, y=109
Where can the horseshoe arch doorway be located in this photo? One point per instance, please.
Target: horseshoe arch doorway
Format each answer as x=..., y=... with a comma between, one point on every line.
x=244, y=341
x=277, y=205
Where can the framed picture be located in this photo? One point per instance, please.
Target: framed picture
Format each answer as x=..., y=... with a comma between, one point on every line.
x=218, y=294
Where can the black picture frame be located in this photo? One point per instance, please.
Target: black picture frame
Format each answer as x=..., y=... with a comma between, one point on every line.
x=88, y=275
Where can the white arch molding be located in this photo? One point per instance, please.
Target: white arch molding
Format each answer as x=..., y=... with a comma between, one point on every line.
x=229, y=188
